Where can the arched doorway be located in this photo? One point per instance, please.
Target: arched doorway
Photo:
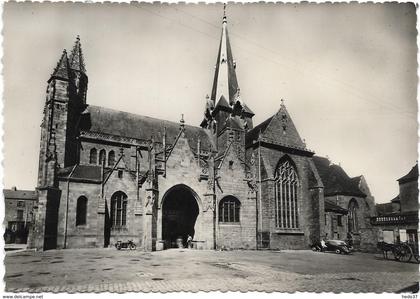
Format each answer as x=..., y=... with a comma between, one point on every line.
x=179, y=214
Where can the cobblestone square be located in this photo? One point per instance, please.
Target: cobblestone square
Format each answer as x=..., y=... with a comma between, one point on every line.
x=102, y=270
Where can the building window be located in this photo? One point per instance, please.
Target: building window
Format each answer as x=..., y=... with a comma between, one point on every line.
x=81, y=211
x=120, y=174
x=19, y=215
x=119, y=209
x=111, y=158
x=229, y=209
x=286, y=187
x=339, y=220
x=230, y=165
x=20, y=204
x=325, y=218
x=352, y=218
x=102, y=156
x=93, y=157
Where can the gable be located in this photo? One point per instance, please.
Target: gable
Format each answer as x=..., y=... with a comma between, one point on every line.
x=281, y=129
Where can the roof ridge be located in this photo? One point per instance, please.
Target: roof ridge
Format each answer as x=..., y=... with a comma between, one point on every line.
x=141, y=115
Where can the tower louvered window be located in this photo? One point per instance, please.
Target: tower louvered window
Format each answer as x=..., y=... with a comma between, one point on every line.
x=286, y=193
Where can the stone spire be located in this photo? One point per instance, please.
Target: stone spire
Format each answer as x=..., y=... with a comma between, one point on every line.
x=61, y=71
x=225, y=101
x=225, y=83
x=77, y=62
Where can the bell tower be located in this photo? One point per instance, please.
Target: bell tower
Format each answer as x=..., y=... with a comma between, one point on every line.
x=64, y=102
x=225, y=110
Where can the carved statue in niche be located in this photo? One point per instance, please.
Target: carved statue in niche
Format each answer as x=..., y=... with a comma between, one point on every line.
x=77, y=82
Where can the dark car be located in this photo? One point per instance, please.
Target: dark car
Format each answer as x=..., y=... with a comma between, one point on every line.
x=337, y=246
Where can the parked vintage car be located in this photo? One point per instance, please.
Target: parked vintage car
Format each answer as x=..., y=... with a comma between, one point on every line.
x=337, y=246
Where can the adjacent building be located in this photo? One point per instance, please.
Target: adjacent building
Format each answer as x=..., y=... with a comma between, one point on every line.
x=349, y=205
x=19, y=214
x=398, y=220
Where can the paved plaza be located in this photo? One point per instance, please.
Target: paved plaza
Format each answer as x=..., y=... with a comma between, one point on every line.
x=101, y=270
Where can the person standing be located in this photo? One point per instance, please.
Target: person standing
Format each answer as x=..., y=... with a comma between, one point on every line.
x=189, y=242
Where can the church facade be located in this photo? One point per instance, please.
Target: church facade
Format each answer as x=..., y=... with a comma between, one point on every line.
x=107, y=175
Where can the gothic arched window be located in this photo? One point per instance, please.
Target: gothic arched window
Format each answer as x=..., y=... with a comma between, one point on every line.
x=286, y=193
x=111, y=158
x=93, y=156
x=102, y=156
x=352, y=218
x=229, y=209
x=81, y=210
x=119, y=209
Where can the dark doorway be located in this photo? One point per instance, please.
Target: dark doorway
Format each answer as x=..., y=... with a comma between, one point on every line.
x=179, y=213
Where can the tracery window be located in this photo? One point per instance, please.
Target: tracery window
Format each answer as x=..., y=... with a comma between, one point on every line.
x=229, y=209
x=111, y=158
x=119, y=209
x=286, y=193
x=93, y=157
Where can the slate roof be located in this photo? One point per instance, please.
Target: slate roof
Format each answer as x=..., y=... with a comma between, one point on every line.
x=232, y=81
x=335, y=179
x=413, y=175
x=20, y=194
x=396, y=199
x=119, y=123
x=332, y=207
x=252, y=135
x=247, y=109
x=91, y=173
x=62, y=69
x=222, y=103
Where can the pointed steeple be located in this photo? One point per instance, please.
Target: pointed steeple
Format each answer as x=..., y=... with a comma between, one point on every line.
x=225, y=97
x=77, y=62
x=225, y=82
x=61, y=71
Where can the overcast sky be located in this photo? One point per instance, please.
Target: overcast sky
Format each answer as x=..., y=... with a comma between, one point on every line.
x=347, y=73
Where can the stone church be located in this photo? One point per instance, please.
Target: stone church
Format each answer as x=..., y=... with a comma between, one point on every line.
x=107, y=175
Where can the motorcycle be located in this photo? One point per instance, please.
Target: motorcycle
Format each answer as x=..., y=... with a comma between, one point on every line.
x=128, y=245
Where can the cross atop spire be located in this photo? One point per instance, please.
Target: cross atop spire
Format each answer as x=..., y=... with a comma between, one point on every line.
x=77, y=62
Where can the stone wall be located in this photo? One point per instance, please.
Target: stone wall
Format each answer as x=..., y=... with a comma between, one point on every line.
x=309, y=202
x=182, y=169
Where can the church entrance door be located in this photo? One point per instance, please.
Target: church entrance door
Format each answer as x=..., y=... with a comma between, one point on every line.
x=179, y=214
